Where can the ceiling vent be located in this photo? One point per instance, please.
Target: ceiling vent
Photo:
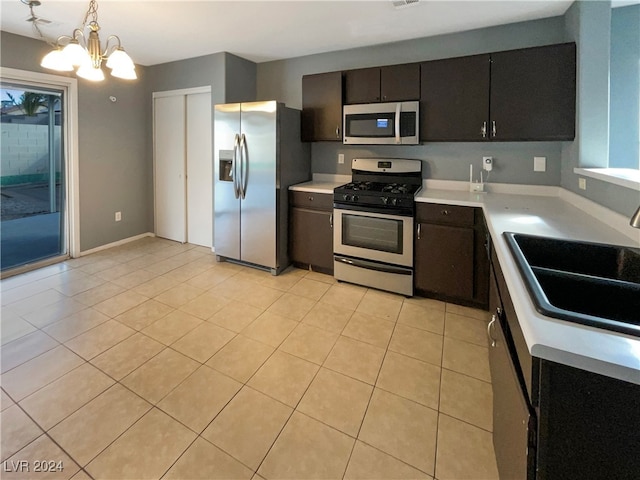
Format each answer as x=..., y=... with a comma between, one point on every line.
x=398, y=4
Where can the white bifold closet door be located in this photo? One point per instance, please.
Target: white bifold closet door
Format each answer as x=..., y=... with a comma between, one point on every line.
x=183, y=168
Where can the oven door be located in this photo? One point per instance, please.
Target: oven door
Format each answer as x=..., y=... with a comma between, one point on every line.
x=373, y=236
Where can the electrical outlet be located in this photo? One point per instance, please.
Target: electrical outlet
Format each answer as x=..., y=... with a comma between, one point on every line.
x=118, y=216
x=487, y=163
x=341, y=158
x=539, y=164
x=582, y=183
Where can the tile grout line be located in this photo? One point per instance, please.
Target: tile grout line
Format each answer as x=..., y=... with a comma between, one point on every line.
x=245, y=384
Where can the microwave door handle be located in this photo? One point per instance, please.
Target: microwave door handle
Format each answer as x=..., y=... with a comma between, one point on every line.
x=398, y=108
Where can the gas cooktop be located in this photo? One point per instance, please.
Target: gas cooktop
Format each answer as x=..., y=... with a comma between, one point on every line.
x=381, y=184
x=381, y=187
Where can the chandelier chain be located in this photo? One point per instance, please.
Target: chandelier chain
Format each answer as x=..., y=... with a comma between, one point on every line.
x=92, y=12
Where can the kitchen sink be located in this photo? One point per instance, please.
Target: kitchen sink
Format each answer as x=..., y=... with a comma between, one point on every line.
x=589, y=283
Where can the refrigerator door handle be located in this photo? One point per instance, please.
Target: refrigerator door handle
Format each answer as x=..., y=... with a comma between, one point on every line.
x=234, y=167
x=244, y=166
x=397, y=122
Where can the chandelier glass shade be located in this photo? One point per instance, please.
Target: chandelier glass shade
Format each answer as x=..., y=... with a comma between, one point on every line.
x=82, y=51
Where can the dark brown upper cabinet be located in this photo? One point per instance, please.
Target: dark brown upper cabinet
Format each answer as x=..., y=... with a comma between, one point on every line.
x=454, y=101
x=517, y=95
x=393, y=83
x=322, y=107
x=533, y=93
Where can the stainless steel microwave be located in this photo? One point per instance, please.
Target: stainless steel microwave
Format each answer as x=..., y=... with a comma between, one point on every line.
x=381, y=124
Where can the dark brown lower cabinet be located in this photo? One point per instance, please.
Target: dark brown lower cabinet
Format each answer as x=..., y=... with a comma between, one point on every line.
x=311, y=231
x=555, y=421
x=511, y=415
x=446, y=265
x=514, y=420
x=450, y=258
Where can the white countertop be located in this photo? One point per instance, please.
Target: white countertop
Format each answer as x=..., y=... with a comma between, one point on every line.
x=545, y=211
x=596, y=350
x=321, y=183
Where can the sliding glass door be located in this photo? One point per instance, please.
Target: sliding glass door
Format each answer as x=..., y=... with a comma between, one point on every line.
x=32, y=181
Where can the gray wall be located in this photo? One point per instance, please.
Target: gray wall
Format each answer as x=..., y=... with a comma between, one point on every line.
x=589, y=25
x=116, y=139
x=231, y=78
x=282, y=80
x=113, y=159
x=624, y=116
x=586, y=22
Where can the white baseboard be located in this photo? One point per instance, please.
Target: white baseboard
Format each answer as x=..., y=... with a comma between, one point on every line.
x=116, y=244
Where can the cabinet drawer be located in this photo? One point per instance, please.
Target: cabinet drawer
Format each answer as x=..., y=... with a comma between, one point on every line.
x=449, y=214
x=318, y=201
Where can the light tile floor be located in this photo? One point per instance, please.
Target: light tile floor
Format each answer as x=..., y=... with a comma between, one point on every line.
x=152, y=360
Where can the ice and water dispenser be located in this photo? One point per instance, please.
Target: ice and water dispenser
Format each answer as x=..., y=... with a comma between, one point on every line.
x=226, y=162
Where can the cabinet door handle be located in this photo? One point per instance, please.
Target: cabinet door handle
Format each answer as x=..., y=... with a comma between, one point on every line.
x=419, y=230
x=337, y=131
x=493, y=128
x=444, y=212
x=483, y=130
x=491, y=339
x=331, y=220
x=311, y=199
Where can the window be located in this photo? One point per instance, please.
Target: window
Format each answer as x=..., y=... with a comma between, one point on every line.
x=624, y=102
x=39, y=170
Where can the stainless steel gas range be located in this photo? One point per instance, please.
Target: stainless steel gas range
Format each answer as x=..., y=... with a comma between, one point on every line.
x=373, y=218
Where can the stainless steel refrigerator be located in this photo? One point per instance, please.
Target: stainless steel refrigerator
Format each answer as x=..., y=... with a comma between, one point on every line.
x=258, y=155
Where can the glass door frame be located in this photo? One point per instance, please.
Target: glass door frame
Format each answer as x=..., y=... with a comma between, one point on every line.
x=70, y=154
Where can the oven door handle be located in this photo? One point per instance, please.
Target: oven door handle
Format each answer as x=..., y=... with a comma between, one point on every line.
x=354, y=262
x=384, y=211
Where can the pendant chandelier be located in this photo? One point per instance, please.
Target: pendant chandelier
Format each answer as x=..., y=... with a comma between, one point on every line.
x=82, y=50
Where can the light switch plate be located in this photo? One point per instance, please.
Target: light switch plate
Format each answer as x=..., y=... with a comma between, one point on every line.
x=582, y=183
x=539, y=164
x=341, y=158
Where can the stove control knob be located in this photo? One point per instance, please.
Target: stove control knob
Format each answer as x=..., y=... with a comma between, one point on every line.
x=346, y=197
x=385, y=200
x=355, y=198
x=394, y=201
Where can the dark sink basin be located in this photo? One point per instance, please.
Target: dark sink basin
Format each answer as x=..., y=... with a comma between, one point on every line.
x=582, y=282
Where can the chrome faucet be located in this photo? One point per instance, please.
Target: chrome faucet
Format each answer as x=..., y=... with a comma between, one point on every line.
x=635, y=219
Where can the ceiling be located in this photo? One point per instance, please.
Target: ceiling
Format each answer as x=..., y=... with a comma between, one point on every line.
x=160, y=31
